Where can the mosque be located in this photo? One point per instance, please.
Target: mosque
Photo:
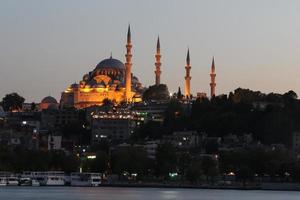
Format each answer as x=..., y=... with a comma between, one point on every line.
x=113, y=80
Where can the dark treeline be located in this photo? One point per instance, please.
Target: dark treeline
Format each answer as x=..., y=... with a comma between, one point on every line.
x=19, y=159
x=270, y=118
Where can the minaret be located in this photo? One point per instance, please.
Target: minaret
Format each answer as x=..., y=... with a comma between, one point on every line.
x=187, y=92
x=157, y=63
x=128, y=66
x=213, y=79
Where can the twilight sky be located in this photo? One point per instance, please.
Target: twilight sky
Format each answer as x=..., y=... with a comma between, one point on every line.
x=47, y=45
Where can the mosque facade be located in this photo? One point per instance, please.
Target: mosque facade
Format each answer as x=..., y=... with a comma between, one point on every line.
x=111, y=79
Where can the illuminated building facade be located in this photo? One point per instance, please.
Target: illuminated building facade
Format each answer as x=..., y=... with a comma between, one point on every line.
x=115, y=126
x=110, y=79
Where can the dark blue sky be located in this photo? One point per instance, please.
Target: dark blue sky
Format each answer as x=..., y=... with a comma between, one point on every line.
x=47, y=45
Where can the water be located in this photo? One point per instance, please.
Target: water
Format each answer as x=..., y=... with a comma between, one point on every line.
x=106, y=193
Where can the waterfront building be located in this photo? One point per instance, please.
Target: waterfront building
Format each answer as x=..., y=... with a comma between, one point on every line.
x=114, y=126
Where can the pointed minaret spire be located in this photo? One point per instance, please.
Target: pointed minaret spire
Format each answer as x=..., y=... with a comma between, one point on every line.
x=129, y=35
x=213, y=79
x=157, y=63
x=188, y=57
x=128, y=66
x=158, y=45
x=187, y=91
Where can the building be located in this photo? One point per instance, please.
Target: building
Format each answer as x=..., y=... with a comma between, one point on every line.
x=54, y=142
x=151, y=149
x=110, y=79
x=153, y=111
x=183, y=139
x=114, y=126
x=48, y=103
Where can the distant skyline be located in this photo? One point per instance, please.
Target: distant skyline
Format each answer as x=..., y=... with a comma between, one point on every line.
x=47, y=45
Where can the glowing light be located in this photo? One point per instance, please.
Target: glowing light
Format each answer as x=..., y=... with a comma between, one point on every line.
x=91, y=157
x=172, y=175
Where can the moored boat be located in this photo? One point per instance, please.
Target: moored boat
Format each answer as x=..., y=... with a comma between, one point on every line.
x=86, y=179
x=3, y=181
x=12, y=181
x=25, y=181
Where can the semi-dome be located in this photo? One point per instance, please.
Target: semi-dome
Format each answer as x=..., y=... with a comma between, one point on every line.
x=49, y=100
x=110, y=63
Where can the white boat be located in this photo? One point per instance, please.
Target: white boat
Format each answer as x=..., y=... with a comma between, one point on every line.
x=47, y=178
x=25, y=182
x=3, y=181
x=35, y=183
x=53, y=180
x=86, y=179
x=12, y=181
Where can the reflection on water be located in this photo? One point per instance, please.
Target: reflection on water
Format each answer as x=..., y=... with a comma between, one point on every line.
x=106, y=193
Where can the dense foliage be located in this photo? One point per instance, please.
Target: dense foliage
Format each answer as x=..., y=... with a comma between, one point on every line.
x=12, y=102
x=156, y=92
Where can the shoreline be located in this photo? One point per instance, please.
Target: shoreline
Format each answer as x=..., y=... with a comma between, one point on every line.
x=179, y=186
x=270, y=187
x=263, y=187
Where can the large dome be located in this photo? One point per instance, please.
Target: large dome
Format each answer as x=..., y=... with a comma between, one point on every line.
x=110, y=63
x=49, y=100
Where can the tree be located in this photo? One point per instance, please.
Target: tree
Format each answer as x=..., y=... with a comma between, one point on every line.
x=130, y=159
x=194, y=172
x=247, y=96
x=175, y=117
x=150, y=130
x=183, y=162
x=156, y=92
x=244, y=174
x=99, y=164
x=166, y=160
x=33, y=106
x=12, y=102
x=76, y=131
x=290, y=95
x=210, y=167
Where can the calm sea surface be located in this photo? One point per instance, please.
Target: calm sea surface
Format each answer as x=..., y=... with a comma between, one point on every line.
x=73, y=193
